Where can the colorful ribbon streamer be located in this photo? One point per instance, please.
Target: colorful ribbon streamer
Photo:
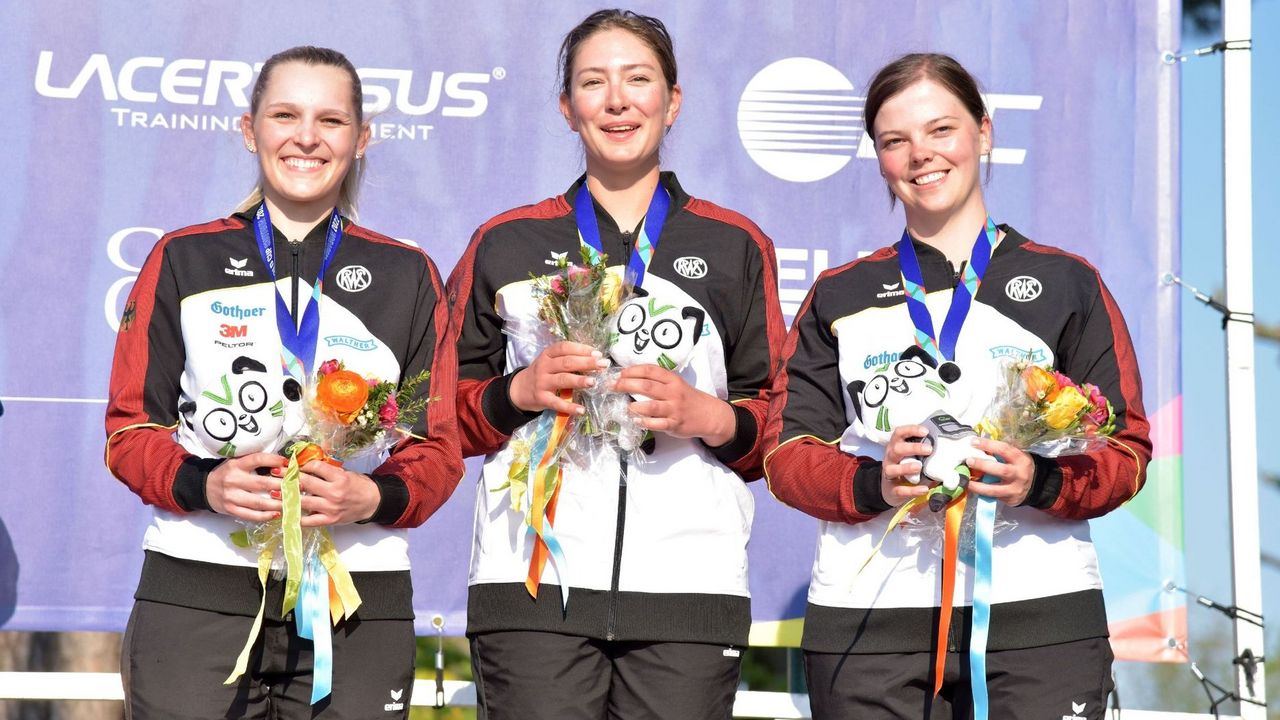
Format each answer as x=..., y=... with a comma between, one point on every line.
x=950, y=556
x=313, y=624
x=318, y=589
x=544, y=462
x=984, y=530
x=942, y=346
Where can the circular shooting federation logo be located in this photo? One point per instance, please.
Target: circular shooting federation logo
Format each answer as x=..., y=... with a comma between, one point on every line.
x=1023, y=288
x=354, y=278
x=799, y=119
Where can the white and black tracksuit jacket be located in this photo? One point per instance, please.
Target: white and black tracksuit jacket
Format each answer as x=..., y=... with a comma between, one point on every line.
x=1046, y=586
x=205, y=298
x=656, y=551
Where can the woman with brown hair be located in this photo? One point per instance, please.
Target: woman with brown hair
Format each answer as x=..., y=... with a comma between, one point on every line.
x=658, y=607
x=869, y=634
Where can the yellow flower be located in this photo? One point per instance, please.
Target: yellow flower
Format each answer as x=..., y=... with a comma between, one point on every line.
x=1039, y=382
x=1065, y=408
x=611, y=291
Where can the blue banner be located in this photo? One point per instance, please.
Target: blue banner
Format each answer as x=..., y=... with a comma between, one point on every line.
x=122, y=122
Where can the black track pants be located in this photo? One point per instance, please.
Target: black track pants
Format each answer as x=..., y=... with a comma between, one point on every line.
x=175, y=659
x=546, y=676
x=1055, y=682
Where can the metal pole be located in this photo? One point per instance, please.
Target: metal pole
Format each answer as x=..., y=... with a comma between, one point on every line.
x=1242, y=444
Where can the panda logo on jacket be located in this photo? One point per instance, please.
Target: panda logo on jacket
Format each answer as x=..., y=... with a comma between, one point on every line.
x=246, y=410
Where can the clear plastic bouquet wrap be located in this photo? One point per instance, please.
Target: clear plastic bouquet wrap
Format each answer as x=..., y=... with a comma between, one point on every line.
x=575, y=303
x=1046, y=413
x=1037, y=410
x=347, y=416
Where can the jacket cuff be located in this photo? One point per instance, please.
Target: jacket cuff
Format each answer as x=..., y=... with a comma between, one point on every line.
x=1046, y=484
x=867, y=497
x=498, y=409
x=189, y=485
x=744, y=437
x=395, y=500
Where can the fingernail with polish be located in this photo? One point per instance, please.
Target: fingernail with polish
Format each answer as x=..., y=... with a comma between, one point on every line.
x=275, y=494
x=275, y=472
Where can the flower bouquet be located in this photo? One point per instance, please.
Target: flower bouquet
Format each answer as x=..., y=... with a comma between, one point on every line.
x=1046, y=413
x=347, y=416
x=1037, y=410
x=574, y=303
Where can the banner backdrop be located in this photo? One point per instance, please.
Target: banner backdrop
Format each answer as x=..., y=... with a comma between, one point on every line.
x=122, y=123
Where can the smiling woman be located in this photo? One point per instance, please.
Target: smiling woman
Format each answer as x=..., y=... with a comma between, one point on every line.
x=306, y=124
x=243, y=302
x=655, y=552
x=876, y=634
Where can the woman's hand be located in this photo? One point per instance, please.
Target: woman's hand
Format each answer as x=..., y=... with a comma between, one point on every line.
x=675, y=407
x=562, y=365
x=1013, y=471
x=334, y=496
x=900, y=463
x=235, y=488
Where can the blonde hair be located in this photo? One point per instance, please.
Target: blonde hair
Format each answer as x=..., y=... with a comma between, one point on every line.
x=349, y=193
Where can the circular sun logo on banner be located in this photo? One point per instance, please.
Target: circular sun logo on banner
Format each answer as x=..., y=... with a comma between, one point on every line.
x=800, y=120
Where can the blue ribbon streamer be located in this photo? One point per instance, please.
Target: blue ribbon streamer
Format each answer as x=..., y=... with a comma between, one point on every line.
x=647, y=241
x=984, y=529
x=945, y=349
x=312, y=619
x=298, y=339
x=536, y=452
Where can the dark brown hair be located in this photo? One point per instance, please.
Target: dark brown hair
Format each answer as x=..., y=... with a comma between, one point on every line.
x=901, y=73
x=310, y=55
x=650, y=30
x=906, y=70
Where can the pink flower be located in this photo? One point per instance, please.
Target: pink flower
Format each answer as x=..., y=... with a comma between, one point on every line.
x=557, y=285
x=328, y=366
x=372, y=383
x=389, y=413
x=1063, y=380
x=576, y=272
x=1099, y=412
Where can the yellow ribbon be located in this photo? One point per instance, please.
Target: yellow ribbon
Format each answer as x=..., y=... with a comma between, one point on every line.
x=910, y=505
x=343, y=598
x=291, y=529
x=242, y=662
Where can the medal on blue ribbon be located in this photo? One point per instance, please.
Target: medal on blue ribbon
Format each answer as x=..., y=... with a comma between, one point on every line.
x=646, y=241
x=297, y=355
x=297, y=336
x=943, y=347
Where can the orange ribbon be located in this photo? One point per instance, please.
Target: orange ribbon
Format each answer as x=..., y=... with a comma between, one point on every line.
x=950, y=560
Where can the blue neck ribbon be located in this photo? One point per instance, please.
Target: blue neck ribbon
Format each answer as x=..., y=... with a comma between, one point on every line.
x=646, y=240
x=297, y=337
x=961, y=299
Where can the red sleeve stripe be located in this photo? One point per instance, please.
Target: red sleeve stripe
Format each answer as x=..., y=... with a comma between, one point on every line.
x=774, y=328
x=475, y=430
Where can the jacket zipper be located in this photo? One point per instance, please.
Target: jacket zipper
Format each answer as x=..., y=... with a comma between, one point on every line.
x=611, y=630
x=294, y=246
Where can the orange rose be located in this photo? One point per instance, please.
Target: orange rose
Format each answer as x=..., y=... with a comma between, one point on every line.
x=1040, y=383
x=343, y=393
